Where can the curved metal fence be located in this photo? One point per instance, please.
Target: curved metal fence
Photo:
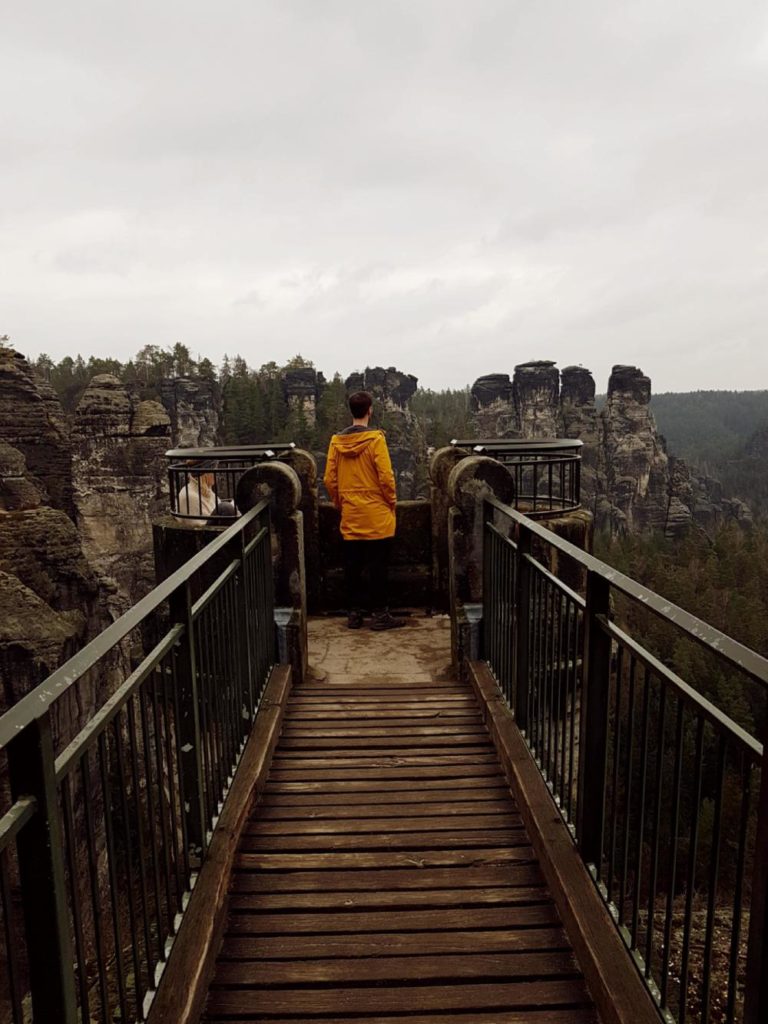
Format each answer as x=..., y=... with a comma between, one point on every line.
x=202, y=482
x=547, y=473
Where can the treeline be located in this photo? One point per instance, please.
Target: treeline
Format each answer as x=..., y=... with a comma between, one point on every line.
x=254, y=405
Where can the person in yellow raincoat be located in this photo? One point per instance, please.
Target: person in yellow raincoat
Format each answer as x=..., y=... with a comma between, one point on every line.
x=361, y=484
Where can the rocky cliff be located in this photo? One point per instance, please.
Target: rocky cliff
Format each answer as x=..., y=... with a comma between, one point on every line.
x=194, y=407
x=120, y=485
x=629, y=480
x=50, y=602
x=392, y=391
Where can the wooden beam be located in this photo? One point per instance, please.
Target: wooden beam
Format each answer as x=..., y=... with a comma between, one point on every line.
x=613, y=980
x=184, y=983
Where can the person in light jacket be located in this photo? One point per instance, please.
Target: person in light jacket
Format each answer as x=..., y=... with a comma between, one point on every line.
x=361, y=484
x=197, y=498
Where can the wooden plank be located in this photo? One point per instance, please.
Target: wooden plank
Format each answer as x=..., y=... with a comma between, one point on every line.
x=415, y=772
x=399, y=999
x=183, y=985
x=398, y=809
x=305, y=947
x=618, y=990
x=290, y=737
x=379, y=880
x=545, y=1015
x=391, y=787
x=531, y=1015
x=478, y=967
x=438, y=739
x=394, y=900
x=384, y=826
x=415, y=713
x=333, y=841
x=310, y=861
x=484, y=755
x=302, y=802
x=537, y=915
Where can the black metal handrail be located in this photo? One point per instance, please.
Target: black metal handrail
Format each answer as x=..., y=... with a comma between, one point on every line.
x=664, y=794
x=547, y=473
x=202, y=482
x=106, y=828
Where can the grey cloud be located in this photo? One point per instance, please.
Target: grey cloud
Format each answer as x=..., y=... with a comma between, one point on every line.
x=447, y=186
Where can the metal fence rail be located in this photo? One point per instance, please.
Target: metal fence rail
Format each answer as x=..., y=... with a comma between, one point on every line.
x=660, y=789
x=202, y=482
x=547, y=473
x=105, y=829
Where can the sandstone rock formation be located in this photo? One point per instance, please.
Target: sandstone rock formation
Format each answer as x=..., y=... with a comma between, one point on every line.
x=194, y=407
x=628, y=480
x=301, y=388
x=120, y=485
x=26, y=424
x=392, y=392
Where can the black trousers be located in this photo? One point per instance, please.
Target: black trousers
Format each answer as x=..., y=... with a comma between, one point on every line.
x=372, y=555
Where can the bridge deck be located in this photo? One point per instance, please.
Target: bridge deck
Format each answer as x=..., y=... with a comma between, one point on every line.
x=385, y=875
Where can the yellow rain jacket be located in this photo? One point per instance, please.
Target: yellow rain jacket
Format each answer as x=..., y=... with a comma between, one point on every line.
x=361, y=484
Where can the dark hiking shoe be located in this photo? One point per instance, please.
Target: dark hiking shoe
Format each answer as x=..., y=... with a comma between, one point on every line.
x=383, y=620
x=354, y=620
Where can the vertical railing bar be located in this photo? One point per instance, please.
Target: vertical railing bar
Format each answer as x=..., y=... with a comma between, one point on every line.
x=572, y=741
x=11, y=942
x=152, y=818
x=690, y=881
x=738, y=891
x=114, y=882
x=70, y=834
x=594, y=722
x=134, y=758
x=714, y=872
x=615, y=774
x=638, y=858
x=131, y=895
x=162, y=772
x=174, y=776
x=93, y=878
x=673, y=839
x=629, y=787
x=523, y=604
x=183, y=797
x=654, y=862
x=206, y=679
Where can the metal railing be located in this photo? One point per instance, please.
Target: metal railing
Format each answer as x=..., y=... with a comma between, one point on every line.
x=660, y=789
x=202, y=482
x=106, y=825
x=547, y=473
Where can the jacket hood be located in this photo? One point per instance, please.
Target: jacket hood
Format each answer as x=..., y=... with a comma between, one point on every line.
x=353, y=445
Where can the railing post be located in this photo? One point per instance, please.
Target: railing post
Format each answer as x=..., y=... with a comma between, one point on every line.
x=756, y=990
x=190, y=740
x=593, y=738
x=522, y=676
x=40, y=848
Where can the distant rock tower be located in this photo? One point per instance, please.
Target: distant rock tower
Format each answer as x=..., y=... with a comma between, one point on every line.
x=301, y=387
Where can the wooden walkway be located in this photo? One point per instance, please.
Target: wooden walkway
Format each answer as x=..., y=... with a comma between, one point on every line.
x=386, y=876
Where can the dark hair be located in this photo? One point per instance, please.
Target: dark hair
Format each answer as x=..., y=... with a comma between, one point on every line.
x=360, y=403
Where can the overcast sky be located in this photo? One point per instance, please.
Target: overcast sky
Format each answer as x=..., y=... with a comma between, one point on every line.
x=448, y=187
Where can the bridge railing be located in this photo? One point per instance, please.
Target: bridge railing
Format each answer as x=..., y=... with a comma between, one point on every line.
x=547, y=473
x=660, y=789
x=106, y=825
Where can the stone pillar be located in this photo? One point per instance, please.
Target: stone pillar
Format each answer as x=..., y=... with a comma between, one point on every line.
x=440, y=466
x=470, y=481
x=304, y=465
x=280, y=484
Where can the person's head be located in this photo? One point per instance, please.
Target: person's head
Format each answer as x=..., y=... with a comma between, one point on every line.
x=360, y=405
x=204, y=480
